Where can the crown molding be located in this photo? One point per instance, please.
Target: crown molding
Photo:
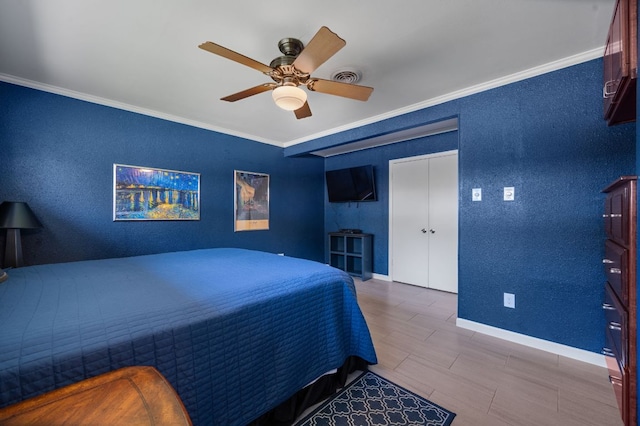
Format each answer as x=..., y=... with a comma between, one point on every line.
x=492, y=84
x=131, y=108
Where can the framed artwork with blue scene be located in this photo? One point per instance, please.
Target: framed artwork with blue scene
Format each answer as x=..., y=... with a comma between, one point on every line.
x=145, y=193
x=251, y=199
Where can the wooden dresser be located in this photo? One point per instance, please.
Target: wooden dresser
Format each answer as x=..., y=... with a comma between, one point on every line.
x=620, y=304
x=129, y=396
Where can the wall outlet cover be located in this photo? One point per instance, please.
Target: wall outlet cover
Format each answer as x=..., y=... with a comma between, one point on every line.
x=509, y=300
x=476, y=194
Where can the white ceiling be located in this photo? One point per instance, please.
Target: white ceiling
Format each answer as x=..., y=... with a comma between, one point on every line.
x=143, y=56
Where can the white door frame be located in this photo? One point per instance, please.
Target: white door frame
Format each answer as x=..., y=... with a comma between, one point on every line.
x=402, y=160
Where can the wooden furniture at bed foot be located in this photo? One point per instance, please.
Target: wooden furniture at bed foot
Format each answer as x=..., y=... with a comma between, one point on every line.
x=351, y=253
x=128, y=396
x=620, y=304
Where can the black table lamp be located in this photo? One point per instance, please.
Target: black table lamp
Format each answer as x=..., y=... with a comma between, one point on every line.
x=15, y=216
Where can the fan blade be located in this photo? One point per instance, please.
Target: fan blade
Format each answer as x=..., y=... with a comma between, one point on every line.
x=322, y=46
x=346, y=90
x=303, y=112
x=235, y=56
x=249, y=92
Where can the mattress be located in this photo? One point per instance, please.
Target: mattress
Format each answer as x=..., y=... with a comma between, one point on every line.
x=234, y=331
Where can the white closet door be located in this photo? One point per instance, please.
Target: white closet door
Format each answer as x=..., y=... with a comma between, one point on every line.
x=443, y=223
x=410, y=208
x=424, y=221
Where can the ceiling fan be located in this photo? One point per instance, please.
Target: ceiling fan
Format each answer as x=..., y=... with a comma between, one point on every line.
x=294, y=69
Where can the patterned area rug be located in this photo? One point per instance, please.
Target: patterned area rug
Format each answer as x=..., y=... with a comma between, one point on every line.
x=373, y=400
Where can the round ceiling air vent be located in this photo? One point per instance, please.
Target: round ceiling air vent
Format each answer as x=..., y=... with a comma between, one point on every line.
x=347, y=75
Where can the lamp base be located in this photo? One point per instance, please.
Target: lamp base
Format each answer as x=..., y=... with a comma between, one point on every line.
x=13, y=249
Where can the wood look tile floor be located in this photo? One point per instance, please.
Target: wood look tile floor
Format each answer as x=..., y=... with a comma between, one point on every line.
x=484, y=380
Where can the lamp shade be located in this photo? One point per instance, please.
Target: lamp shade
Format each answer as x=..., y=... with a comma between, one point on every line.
x=290, y=98
x=17, y=215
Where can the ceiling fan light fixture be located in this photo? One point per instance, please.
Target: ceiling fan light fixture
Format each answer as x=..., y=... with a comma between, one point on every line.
x=289, y=98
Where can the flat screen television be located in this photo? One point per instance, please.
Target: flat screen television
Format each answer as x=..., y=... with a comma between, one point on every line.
x=351, y=184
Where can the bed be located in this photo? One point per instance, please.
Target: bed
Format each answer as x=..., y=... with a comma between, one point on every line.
x=236, y=332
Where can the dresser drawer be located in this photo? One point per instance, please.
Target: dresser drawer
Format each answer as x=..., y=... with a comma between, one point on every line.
x=616, y=215
x=616, y=326
x=619, y=379
x=616, y=268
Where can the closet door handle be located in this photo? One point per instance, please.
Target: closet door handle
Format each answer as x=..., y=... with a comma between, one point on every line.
x=615, y=270
x=424, y=231
x=607, y=261
x=608, y=307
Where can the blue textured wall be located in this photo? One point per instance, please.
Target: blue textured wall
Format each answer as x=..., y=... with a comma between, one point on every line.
x=373, y=217
x=57, y=154
x=546, y=137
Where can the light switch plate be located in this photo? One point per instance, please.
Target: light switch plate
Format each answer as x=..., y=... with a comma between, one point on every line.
x=509, y=193
x=476, y=194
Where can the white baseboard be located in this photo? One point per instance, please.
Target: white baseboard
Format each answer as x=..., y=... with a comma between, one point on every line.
x=534, y=342
x=381, y=277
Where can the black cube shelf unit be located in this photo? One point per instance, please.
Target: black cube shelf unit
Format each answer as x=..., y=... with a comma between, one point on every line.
x=351, y=253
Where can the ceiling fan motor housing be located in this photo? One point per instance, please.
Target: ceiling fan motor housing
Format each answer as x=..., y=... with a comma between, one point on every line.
x=284, y=71
x=282, y=60
x=290, y=46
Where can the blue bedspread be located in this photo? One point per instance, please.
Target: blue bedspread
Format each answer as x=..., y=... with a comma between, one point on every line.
x=235, y=331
